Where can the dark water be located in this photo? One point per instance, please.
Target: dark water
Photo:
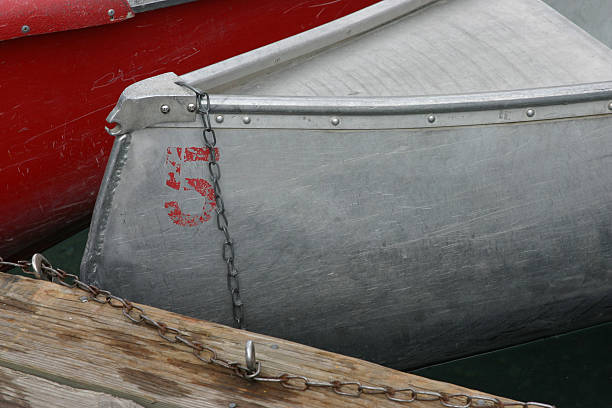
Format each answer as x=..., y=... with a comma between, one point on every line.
x=570, y=370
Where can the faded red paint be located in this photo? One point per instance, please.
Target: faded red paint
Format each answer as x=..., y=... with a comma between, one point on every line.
x=185, y=220
x=172, y=181
x=175, y=156
x=198, y=154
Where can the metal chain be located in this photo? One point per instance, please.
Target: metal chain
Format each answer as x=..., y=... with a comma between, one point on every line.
x=41, y=268
x=227, y=250
x=252, y=371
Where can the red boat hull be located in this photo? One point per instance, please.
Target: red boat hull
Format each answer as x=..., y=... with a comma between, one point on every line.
x=58, y=88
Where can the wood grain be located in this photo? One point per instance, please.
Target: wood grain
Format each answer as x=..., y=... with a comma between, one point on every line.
x=47, y=331
x=20, y=390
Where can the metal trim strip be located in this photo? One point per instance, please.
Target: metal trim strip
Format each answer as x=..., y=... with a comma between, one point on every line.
x=233, y=111
x=415, y=104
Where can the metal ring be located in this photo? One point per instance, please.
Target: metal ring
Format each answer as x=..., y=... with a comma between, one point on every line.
x=186, y=85
x=207, y=142
x=219, y=203
x=255, y=373
x=294, y=386
x=390, y=395
x=198, y=353
x=126, y=313
x=38, y=260
x=225, y=224
x=228, y=251
x=212, y=154
x=445, y=401
x=436, y=395
x=249, y=356
x=214, y=174
x=337, y=387
x=496, y=401
x=368, y=389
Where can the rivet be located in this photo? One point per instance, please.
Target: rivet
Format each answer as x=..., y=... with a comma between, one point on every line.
x=219, y=119
x=84, y=299
x=246, y=120
x=164, y=109
x=610, y=106
x=191, y=107
x=25, y=29
x=530, y=113
x=335, y=121
x=431, y=118
x=111, y=13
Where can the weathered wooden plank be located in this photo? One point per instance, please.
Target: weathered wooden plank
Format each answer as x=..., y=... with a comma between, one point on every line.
x=22, y=390
x=47, y=331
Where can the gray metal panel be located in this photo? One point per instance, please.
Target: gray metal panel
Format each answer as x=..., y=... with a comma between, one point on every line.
x=449, y=241
x=320, y=37
x=448, y=47
x=593, y=16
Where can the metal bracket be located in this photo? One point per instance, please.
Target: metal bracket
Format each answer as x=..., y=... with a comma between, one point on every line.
x=38, y=261
x=149, y=102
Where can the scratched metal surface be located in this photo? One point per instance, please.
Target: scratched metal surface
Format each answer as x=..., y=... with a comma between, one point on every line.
x=445, y=48
x=447, y=241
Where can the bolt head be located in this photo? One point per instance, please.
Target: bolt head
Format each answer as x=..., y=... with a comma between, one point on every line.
x=164, y=109
x=191, y=107
x=246, y=120
x=219, y=118
x=610, y=106
x=25, y=29
x=335, y=121
x=111, y=13
x=431, y=118
x=530, y=113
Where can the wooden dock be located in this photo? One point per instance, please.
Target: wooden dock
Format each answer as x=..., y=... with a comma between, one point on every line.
x=59, y=350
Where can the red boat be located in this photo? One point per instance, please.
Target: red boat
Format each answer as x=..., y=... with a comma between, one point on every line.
x=64, y=63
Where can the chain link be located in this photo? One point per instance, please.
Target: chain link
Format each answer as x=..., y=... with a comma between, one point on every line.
x=41, y=268
x=227, y=250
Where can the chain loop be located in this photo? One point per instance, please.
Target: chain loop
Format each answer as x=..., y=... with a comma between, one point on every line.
x=214, y=170
x=349, y=389
x=409, y=394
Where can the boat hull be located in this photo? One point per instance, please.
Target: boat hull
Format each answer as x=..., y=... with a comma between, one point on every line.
x=402, y=229
x=450, y=241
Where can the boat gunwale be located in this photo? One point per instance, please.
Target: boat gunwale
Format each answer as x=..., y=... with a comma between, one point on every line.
x=399, y=105
x=479, y=107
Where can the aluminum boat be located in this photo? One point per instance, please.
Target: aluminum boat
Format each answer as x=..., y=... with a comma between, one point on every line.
x=414, y=182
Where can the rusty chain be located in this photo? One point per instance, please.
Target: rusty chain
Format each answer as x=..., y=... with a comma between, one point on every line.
x=214, y=170
x=40, y=268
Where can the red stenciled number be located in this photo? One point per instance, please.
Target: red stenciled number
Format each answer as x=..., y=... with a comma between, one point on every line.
x=176, y=157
